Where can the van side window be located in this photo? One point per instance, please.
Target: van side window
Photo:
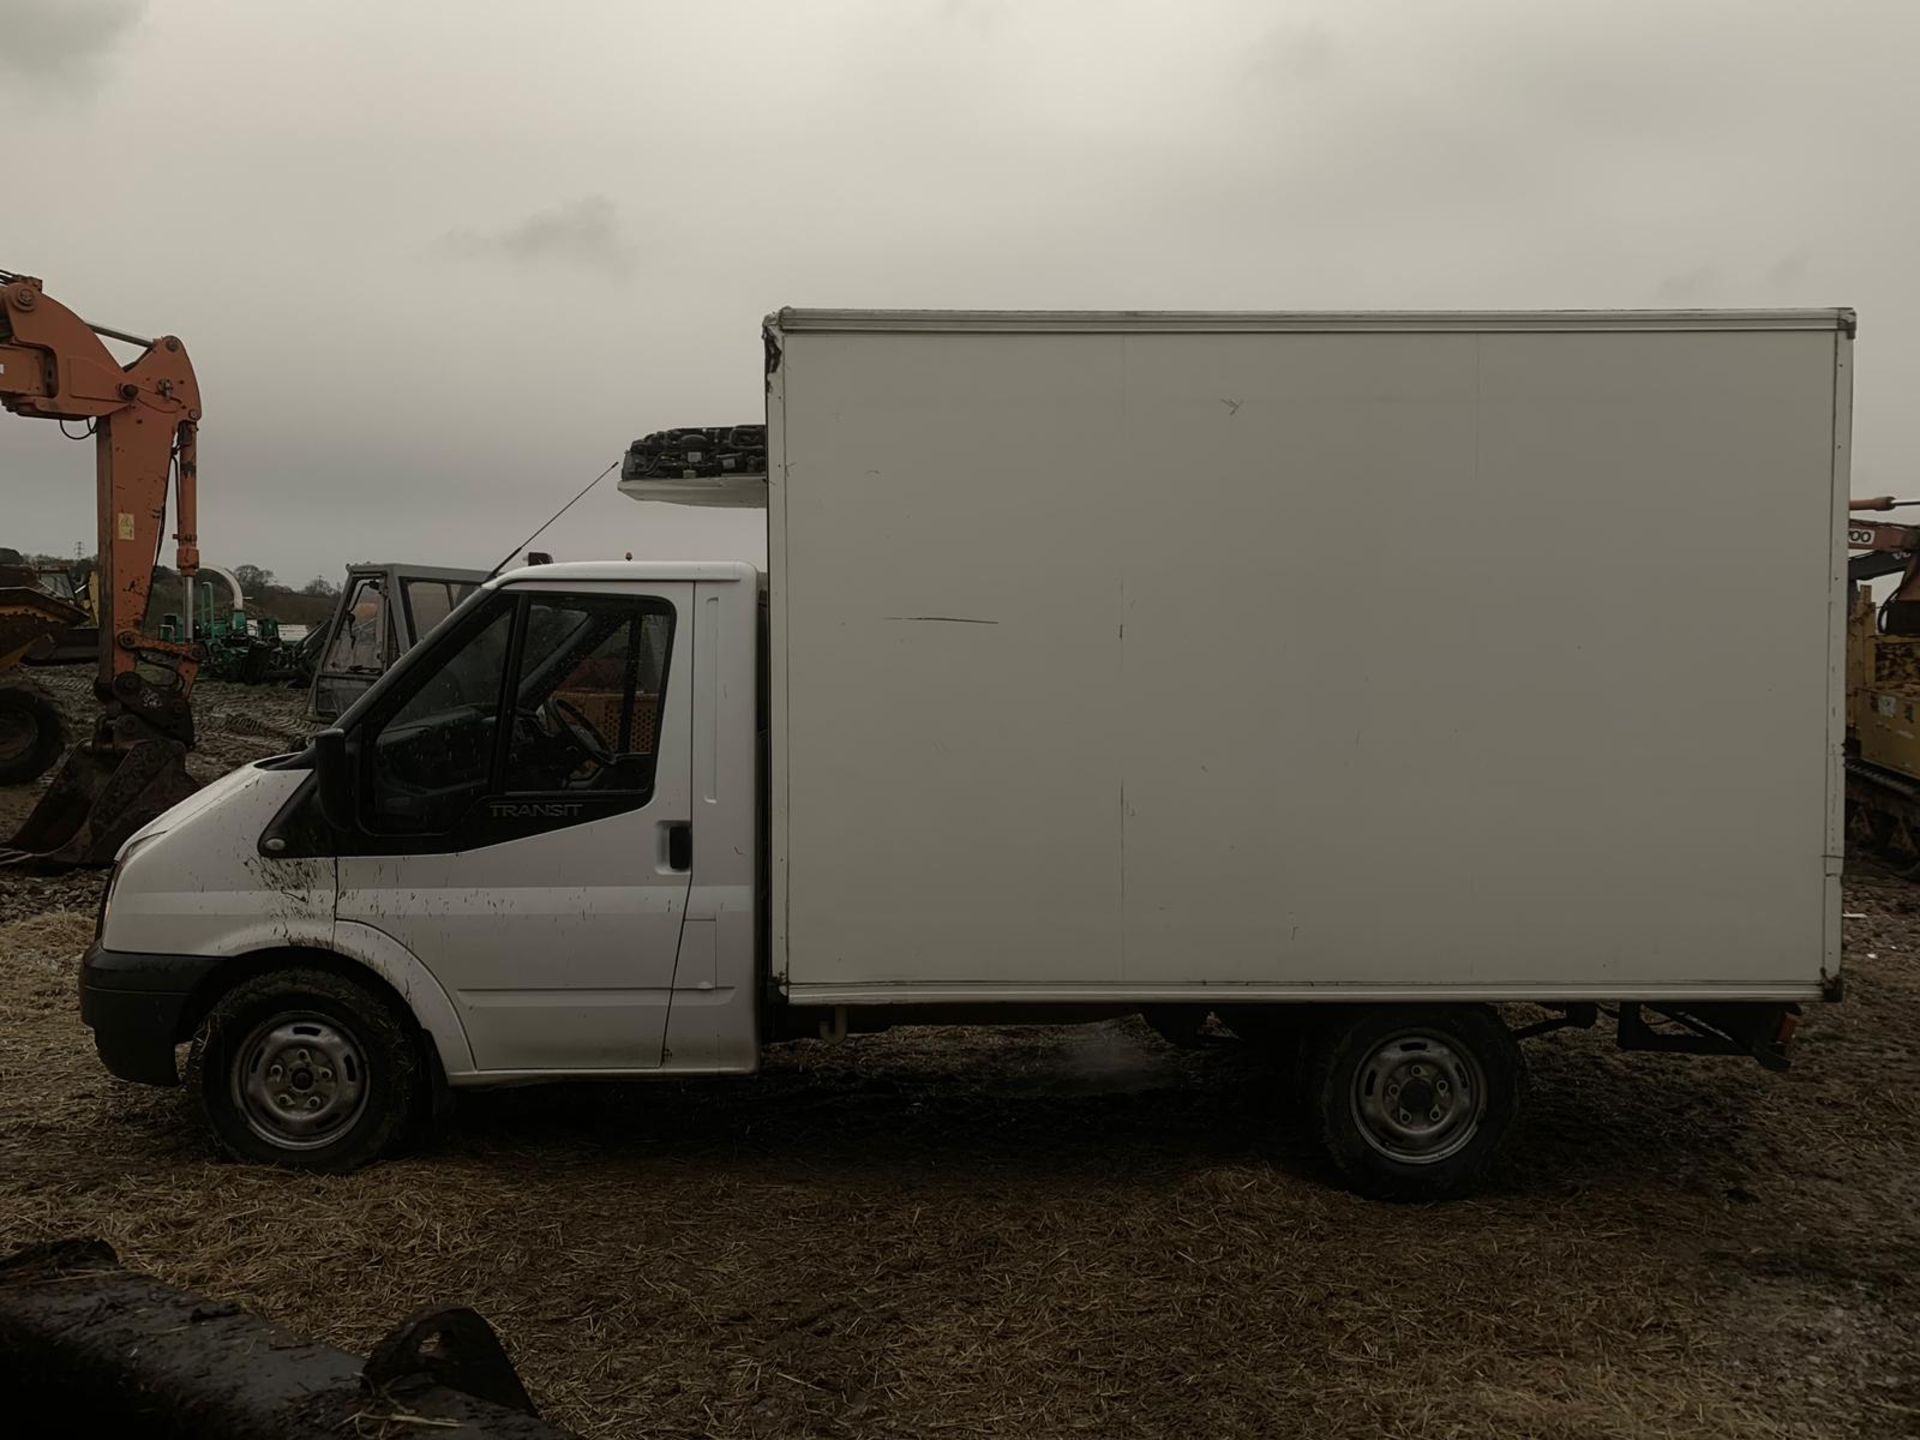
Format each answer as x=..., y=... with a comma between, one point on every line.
x=553, y=699
x=431, y=760
x=587, y=696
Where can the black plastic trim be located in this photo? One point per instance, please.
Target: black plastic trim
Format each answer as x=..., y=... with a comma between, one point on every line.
x=298, y=831
x=133, y=1001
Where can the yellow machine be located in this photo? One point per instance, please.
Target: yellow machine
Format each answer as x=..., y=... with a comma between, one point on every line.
x=1883, y=689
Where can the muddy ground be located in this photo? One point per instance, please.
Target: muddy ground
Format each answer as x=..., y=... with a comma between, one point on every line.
x=1061, y=1231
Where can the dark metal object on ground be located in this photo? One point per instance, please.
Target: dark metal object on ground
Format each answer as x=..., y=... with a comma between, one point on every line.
x=454, y=1347
x=118, y=1354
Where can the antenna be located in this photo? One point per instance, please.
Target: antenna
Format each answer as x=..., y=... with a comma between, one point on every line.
x=551, y=518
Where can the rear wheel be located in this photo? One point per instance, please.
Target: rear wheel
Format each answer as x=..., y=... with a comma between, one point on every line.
x=306, y=1068
x=1413, y=1102
x=31, y=735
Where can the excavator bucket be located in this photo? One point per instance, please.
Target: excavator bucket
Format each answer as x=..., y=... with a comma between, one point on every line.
x=101, y=795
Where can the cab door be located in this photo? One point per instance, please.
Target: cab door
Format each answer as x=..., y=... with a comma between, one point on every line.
x=524, y=811
x=360, y=643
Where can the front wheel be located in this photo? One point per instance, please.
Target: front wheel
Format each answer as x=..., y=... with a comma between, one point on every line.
x=305, y=1068
x=1414, y=1101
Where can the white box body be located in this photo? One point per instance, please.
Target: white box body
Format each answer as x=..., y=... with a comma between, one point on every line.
x=1306, y=656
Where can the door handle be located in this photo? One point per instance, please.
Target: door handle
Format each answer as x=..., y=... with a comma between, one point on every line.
x=680, y=846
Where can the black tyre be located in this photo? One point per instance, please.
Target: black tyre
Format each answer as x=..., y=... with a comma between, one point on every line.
x=1412, y=1102
x=31, y=735
x=306, y=1068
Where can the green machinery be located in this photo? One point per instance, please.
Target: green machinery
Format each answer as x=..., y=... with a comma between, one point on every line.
x=249, y=650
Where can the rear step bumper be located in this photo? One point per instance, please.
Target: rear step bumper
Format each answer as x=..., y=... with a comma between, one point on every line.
x=1757, y=1029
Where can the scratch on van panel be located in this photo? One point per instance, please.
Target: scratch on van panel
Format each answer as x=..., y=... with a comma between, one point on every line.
x=943, y=619
x=1233, y=406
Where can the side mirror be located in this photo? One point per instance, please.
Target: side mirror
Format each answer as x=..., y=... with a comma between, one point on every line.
x=333, y=773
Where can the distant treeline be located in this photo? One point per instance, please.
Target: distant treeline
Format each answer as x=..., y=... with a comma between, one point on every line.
x=308, y=604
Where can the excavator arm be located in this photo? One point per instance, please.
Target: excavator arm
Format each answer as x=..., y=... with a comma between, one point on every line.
x=1883, y=548
x=53, y=365
x=144, y=415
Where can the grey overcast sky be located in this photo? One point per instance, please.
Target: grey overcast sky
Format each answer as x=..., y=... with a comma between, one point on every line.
x=437, y=262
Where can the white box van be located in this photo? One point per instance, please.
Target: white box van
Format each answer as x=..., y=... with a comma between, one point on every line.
x=1342, y=676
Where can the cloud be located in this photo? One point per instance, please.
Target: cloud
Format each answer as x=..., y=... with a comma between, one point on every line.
x=61, y=44
x=585, y=234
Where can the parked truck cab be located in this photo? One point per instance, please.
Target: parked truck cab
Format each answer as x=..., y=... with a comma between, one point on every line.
x=1055, y=702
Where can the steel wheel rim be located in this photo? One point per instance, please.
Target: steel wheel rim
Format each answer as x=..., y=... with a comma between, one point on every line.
x=299, y=1080
x=1419, y=1097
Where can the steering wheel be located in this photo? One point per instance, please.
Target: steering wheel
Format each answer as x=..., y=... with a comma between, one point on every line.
x=580, y=730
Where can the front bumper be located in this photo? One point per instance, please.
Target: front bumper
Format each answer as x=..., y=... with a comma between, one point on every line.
x=133, y=1003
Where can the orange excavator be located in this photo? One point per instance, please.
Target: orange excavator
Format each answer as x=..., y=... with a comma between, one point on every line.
x=143, y=416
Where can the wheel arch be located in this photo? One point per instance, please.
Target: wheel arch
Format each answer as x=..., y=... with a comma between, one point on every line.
x=402, y=981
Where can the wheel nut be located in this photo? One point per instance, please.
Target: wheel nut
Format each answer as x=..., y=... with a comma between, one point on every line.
x=1405, y=1118
x=1441, y=1086
x=326, y=1075
x=313, y=1102
x=303, y=1057
x=1434, y=1114
x=274, y=1072
x=286, y=1101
